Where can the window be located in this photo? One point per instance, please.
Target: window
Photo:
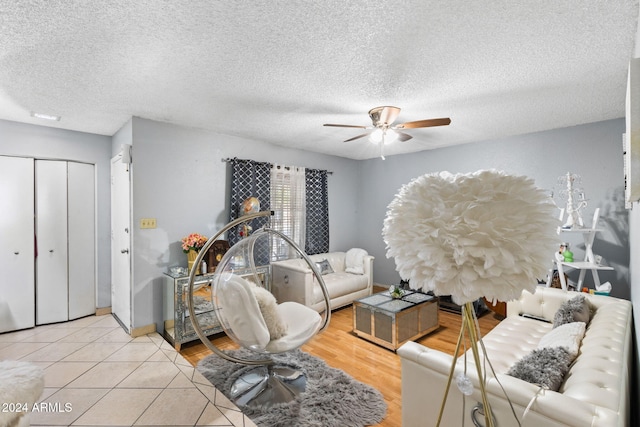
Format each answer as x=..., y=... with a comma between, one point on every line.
x=288, y=202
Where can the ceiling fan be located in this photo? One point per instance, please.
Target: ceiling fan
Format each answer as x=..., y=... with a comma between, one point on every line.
x=383, y=131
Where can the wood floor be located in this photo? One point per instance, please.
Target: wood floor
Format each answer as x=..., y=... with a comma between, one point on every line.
x=364, y=361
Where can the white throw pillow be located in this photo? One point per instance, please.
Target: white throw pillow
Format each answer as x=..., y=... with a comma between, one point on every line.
x=269, y=309
x=568, y=336
x=354, y=261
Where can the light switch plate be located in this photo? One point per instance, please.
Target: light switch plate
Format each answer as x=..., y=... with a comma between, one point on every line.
x=148, y=223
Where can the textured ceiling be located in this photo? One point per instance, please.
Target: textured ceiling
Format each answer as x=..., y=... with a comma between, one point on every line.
x=276, y=71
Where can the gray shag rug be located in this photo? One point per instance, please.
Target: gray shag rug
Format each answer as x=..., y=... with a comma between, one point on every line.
x=332, y=397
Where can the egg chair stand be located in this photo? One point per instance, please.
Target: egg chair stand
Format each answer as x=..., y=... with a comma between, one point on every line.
x=265, y=383
x=263, y=386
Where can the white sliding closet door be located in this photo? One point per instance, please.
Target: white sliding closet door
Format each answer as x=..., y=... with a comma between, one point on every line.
x=51, y=230
x=82, y=242
x=17, y=293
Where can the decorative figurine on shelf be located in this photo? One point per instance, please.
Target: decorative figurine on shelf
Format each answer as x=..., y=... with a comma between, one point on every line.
x=567, y=254
x=573, y=195
x=559, y=255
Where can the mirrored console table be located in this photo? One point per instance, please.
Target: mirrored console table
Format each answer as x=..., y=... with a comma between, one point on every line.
x=178, y=328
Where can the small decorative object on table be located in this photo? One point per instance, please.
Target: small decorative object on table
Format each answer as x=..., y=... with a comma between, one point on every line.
x=396, y=291
x=191, y=245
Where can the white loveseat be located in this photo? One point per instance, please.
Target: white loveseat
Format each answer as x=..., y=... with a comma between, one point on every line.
x=293, y=280
x=595, y=392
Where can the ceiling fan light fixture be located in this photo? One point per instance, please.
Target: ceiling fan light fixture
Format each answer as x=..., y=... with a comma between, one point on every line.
x=383, y=131
x=390, y=136
x=385, y=136
x=376, y=136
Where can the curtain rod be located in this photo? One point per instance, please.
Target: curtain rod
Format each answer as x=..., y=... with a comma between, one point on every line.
x=227, y=159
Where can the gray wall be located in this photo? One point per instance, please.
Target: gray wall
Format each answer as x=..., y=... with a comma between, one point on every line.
x=593, y=151
x=179, y=178
x=19, y=139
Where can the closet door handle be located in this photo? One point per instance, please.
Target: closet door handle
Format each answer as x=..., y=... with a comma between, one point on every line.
x=124, y=251
x=16, y=253
x=50, y=250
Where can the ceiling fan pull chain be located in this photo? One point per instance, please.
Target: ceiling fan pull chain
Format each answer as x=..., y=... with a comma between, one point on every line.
x=382, y=149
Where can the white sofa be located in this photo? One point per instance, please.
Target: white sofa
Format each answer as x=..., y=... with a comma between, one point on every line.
x=293, y=280
x=595, y=391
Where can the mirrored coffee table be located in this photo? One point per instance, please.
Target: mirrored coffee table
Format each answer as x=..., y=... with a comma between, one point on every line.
x=390, y=322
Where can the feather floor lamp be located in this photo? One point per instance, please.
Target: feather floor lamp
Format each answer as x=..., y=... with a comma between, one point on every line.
x=483, y=234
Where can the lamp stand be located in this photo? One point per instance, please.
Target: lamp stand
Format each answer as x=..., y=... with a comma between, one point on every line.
x=469, y=326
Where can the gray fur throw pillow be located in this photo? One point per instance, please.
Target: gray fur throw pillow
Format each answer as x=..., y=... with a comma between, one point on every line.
x=545, y=367
x=576, y=309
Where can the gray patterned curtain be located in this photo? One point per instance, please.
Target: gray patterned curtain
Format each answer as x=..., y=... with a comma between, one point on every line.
x=317, y=194
x=249, y=179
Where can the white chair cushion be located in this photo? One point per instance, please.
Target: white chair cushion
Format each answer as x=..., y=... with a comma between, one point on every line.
x=302, y=322
x=242, y=313
x=269, y=310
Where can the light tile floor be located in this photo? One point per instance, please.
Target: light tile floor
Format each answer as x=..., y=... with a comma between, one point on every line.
x=96, y=374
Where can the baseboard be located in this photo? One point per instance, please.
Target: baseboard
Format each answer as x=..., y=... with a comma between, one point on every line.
x=143, y=330
x=379, y=287
x=102, y=311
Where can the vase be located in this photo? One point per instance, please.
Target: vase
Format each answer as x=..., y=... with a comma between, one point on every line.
x=191, y=258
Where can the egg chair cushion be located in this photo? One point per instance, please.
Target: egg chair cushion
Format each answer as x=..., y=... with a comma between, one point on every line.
x=240, y=312
x=302, y=324
x=269, y=310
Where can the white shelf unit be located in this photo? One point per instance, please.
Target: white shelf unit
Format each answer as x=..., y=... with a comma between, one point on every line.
x=589, y=262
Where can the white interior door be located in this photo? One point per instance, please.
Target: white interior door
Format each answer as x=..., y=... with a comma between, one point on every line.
x=17, y=292
x=120, y=242
x=51, y=231
x=82, y=239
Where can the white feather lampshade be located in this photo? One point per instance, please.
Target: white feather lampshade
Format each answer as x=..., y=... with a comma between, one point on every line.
x=483, y=234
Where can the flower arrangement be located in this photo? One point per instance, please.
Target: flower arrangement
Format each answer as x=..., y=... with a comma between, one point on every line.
x=193, y=242
x=396, y=291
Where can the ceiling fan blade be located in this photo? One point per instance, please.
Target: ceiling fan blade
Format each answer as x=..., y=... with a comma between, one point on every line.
x=357, y=137
x=403, y=136
x=383, y=115
x=345, y=126
x=424, y=123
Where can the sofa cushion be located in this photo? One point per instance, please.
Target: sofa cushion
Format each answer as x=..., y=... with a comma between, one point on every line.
x=324, y=267
x=511, y=340
x=574, y=310
x=354, y=261
x=568, y=336
x=339, y=284
x=543, y=366
x=336, y=259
